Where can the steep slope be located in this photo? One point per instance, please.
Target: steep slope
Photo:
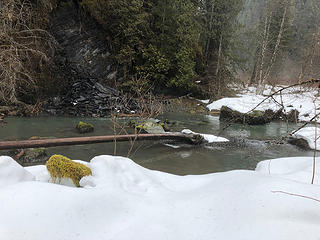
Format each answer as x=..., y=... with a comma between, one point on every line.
x=84, y=59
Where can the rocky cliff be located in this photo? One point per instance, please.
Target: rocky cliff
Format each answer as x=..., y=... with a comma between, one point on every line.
x=84, y=59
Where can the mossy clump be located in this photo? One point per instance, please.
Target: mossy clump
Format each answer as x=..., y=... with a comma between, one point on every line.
x=252, y=118
x=83, y=127
x=62, y=167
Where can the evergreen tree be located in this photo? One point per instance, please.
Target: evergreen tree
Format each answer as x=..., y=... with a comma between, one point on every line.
x=219, y=21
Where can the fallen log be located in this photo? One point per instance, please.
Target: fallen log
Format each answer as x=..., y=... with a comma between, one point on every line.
x=194, y=139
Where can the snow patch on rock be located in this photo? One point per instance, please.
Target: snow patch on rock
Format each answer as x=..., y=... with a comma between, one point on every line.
x=311, y=135
x=208, y=137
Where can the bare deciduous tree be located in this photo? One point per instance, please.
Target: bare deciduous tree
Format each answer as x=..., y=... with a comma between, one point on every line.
x=23, y=43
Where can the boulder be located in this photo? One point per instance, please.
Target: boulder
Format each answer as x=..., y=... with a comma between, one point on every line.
x=150, y=126
x=253, y=118
x=33, y=155
x=299, y=142
x=83, y=127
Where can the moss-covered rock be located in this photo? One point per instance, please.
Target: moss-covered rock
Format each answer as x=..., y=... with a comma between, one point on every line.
x=150, y=126
x=60, y=167
x=83, y=127
x=253, y=118
x=257, y=117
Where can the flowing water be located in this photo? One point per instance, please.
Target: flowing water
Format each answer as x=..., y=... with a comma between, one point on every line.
x=250, y=144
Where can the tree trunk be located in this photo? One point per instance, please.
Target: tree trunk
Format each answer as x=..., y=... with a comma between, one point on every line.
x=209, y=30
x=275, y=51
x=188, y=138
x=219, y=55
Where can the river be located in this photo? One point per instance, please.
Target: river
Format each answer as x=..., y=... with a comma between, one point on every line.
x=250, y=147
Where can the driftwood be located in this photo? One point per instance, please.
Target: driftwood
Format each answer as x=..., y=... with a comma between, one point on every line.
x=187, y=138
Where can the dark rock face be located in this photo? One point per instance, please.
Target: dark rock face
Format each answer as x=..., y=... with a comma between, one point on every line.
x=83, y=58
x=82, y=40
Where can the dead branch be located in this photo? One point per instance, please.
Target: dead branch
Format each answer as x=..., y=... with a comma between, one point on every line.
x=297, y=195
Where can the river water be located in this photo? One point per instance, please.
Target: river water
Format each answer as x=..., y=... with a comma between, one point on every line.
x=251, y=144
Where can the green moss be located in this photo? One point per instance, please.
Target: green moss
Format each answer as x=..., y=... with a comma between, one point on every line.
x=62, y=167
x=83, y=127
x=165, y=126
x=203, y=123
x=141, y=126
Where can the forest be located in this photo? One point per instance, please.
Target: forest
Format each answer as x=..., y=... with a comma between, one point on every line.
x=171, y=47
x=159, y=119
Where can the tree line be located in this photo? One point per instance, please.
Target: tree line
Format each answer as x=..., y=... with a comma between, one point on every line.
x=285, y=40
x=170, y=45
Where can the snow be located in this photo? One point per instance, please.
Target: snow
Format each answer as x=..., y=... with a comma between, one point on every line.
x=294, y=168
x=206, y=101
x=11, y=172
x=208, y=137
x=311, y=135
x=303, y=100
x=122, y=200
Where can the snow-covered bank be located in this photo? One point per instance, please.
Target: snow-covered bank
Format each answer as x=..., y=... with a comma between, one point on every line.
x=309, y=134
x=293, y=99
x=122, y=200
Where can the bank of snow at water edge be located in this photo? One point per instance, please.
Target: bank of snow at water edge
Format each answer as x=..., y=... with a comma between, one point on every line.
x=122, y=200
x=209, y=138
x=303, y=100
x=311, y=135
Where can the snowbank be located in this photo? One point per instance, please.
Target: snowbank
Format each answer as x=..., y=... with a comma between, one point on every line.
x=293, y=99
x=11, y=172
x=294, y=168
x=122, y=200
x=208, y=137
x=311, y=135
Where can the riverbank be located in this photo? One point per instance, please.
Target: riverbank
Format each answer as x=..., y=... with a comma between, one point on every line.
x=304, y=102
x=276, y=201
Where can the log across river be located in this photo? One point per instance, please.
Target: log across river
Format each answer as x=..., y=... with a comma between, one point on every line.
x=188, y=138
